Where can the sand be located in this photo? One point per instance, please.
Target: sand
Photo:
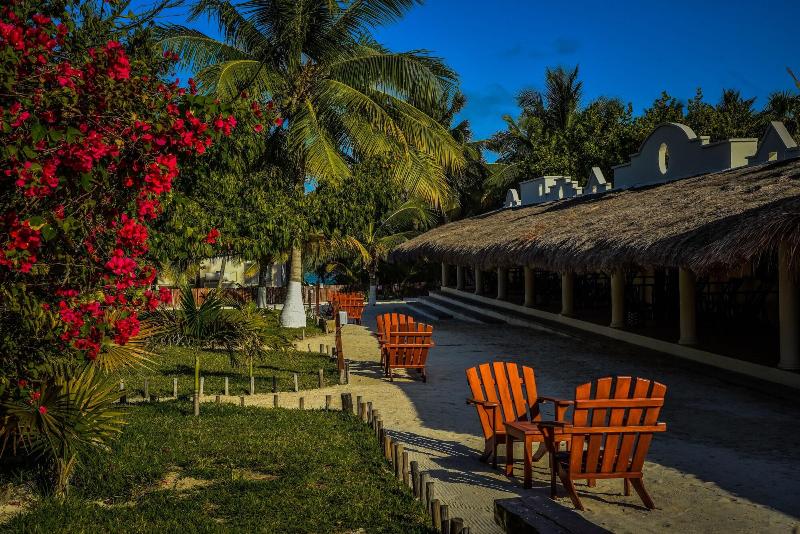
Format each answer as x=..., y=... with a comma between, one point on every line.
x=729, y=461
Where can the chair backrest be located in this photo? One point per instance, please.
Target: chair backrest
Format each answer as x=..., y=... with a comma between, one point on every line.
x=352, y=303
x=614, y=420
x=408, y=344
x=387, y=320
x=501, y=383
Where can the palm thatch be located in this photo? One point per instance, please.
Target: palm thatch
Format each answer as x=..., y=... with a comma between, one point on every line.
x=706, y=223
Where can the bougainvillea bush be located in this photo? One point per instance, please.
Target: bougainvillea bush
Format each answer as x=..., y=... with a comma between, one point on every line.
x=92, y=137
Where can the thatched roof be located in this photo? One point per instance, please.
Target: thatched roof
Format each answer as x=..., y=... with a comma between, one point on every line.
x=705, y=223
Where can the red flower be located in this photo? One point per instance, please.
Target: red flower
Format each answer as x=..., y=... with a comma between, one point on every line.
x=22, y=382
x=42, y=410
x=258, y=128
x=212, y=236
x=279, y=122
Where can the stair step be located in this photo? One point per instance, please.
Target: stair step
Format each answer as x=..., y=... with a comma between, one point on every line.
x=428, y=311
x=459, y=310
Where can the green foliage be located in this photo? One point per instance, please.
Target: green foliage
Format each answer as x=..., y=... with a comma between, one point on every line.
x=69, y=413
x=233, y=469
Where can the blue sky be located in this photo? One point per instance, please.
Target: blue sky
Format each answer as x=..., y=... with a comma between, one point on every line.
x=627, y=49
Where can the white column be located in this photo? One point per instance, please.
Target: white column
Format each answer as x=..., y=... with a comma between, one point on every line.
x=444, y=274
x=617, y=299
x=460, y=277
x=502, y=284
x=568, y=294
x=478, y=281
x=529, y=287
x=788, y=310
x=688, y=307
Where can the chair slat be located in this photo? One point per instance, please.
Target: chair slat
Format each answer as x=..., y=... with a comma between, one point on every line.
x=579, y=418
x=502, y=388
x=517, y=397
x=598, y=418
x=621, y=391
x=531, y=394
x=640, y=389
x=490, y=388
x=650, y=418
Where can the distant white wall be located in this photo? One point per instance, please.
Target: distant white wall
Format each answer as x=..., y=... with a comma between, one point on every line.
x=673, y=151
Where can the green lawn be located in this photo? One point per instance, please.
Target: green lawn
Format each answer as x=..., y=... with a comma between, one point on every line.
x=178, y=362
x=233, y=470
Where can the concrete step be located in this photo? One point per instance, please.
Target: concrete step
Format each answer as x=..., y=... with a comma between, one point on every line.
x=496, y=314
x=424, y=309
x=461, y=309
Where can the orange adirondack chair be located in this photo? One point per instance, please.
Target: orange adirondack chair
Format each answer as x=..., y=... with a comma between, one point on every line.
x=407, y=348
x=384, y=322
x=352, y=303
x=501, y=395
x=611, y=430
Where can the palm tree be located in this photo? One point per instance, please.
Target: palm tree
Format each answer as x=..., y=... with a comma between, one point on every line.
x=540, y=139
x=376, y=240
x=342, y=94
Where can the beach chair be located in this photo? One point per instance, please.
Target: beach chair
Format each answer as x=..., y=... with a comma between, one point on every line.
x=502, y=397
x=384, y=322
x=610, y=433
x=407, y=348
x=352, y=303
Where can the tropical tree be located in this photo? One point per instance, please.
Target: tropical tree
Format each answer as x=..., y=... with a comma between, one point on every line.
x=339, y=94
x=374, y=242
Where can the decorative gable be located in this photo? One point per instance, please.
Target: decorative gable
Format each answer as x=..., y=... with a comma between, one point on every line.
x=673, y=151
x=596, y=183
x=512, y=199
x=776, y=144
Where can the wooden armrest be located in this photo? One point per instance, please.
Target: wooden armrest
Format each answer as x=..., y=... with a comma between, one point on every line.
x=554, y=424
x=485, y=404
x=561, y=402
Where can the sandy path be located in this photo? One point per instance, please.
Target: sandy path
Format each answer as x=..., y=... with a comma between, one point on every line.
x=728, y=463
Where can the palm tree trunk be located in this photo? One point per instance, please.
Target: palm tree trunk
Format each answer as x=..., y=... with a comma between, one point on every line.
x=293, y=314
x=261, y=296
x=373, y=286
x=222, y=271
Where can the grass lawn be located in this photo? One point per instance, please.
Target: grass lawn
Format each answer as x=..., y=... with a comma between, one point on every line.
x=178, y=362
x=232, y=469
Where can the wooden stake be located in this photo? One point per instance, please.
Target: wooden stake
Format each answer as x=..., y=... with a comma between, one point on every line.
x=175, y=387
x=309, y=347
x=369, y=412
x=363, y=409
x=456, y=525
x=321, y=378
x=196, y=405
x=322, y=348
x=436, y=514
x=388, y=446
x=445, y=512
x=275, y=401
x=347, y=403
x=423, y=487
x=274, y=384
x=406, y=474
x=252, y=385
x=296, y=383
x=241, y=400
x=379, y=431
x=302, y=403
x=398, y=460
x=227, y=390
x=429, y=496
x=328, y=402
x=415, y=479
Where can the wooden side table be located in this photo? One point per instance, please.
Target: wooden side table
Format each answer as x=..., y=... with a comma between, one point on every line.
x=528, y=433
